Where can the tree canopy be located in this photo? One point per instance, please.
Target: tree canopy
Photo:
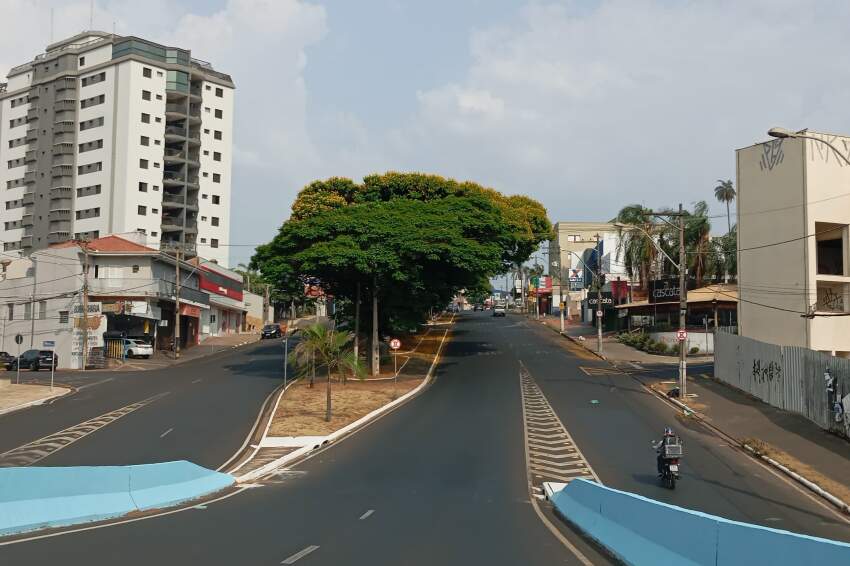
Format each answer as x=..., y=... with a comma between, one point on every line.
x=418, y=238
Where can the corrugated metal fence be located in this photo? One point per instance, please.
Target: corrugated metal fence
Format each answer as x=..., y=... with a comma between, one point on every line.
x=786, y=377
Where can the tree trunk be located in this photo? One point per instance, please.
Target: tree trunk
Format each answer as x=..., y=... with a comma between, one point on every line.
x=328, y=406
x=356, y=328
x=728, y=218
x=376, y=349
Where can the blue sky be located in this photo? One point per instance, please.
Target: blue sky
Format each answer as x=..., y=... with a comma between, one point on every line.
x=586, y=106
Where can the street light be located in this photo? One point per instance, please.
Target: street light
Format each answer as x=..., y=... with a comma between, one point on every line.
x=783, y=133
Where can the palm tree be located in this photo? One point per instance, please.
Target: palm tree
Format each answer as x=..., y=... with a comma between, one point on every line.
x=635, y=245
x=329, y=349
x=725, y=192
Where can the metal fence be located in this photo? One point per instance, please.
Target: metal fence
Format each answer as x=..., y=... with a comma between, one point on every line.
x=787, y=377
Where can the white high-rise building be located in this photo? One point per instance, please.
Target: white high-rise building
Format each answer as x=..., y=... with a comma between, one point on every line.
x=106, y=134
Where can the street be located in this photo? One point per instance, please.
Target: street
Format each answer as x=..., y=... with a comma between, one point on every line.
x=441, y=480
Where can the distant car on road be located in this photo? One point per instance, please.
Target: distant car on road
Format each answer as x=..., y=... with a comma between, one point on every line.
x=6, y=358
x=478, y=307
x=137, y=349
x=499, y=310
x=270, y=331
x=34, y=360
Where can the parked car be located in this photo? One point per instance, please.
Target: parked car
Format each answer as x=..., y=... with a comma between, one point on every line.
x=270, y=331
x=478, y=307
x=34, y=360
x=134, y=348
x=499, y=310
x=6, y=358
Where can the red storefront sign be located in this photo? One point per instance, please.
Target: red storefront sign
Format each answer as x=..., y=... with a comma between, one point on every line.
x=219, y=285
x=190, y=310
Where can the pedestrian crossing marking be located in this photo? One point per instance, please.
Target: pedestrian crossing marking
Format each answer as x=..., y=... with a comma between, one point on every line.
x=593, y=371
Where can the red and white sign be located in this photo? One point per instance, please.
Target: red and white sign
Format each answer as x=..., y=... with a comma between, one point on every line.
x=395, y=343
x=682, y=335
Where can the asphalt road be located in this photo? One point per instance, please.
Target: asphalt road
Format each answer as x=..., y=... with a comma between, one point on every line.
x=205, y=410
x=443, y=479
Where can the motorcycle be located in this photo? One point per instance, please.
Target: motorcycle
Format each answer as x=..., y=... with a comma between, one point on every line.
x=670, y=453
x=670, y=472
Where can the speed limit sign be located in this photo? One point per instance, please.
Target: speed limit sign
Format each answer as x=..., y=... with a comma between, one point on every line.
x=395, y=343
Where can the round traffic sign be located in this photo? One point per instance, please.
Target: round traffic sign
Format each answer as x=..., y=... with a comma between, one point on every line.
x=598, y=313
x=682, y=335
x=19, y=339
x=395, y=343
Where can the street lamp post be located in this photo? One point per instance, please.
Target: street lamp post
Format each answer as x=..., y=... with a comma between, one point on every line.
x=783, y=133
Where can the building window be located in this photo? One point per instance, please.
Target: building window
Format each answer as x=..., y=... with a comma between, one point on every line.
x=203, y=218
x=213, y=242
x=209, y=87
x=93, y=101
x=216, y=156
x=27, y=311
x=136, y=267
x=217, y=134
x=216, y=199
x=146, y=95
x=145, y=140
x=159, y=73
x=82, y=61
x=153, y=234
x=205, y=174
x=143, y=187
x=96, y=271
x=204, y=196
x=216, y=178
x=212, y=318
x=156, y=188
x=146, y=72
x=63, y=317
x=830, y=247
x=219, y=113
x=141, y=231
x=206, y=152
x=203, y=240
x=154, y=211
x=207, y=109
x=146, y=118
x=11, y=311
x=157, y=142
x=143, y=163
x=143, y=210
x=214, y=220
x=219, y=92
x=159, y=97
x=206, y=130
x=42, y=310
x=158, y=119
x=156, y=165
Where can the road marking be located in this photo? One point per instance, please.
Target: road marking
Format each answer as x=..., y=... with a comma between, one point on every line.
x=594, y=371
x=366, y=514
x=197, y=380
x=87, y=385
x=37, y=450
x=301, y=554
x=166, y=432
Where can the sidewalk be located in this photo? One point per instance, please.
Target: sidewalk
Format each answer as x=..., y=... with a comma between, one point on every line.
x=612, y=349
x=208, y=347
x=15, y=396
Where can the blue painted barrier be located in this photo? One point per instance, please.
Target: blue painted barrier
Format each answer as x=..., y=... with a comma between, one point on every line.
x=639, y=530
x=35, y=498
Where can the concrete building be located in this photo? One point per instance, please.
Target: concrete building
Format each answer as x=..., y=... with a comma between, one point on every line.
x=574, y=251
x=227, y=312
x=793, y=210
x=105, y=134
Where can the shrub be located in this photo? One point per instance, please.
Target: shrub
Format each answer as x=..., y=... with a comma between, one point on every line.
x=694, y=350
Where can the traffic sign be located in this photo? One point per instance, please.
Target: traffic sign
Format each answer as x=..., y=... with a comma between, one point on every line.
x=599, y=313
x=682, y=335
x=19, y=339
x=48, y=344
x=395, y=343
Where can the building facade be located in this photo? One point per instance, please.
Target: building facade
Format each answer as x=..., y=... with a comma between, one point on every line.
x=793, y=209
x=104, y=134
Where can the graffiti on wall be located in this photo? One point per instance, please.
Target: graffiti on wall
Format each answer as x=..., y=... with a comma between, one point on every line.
x=766, y=371
x=824, y=152
x=772, y=155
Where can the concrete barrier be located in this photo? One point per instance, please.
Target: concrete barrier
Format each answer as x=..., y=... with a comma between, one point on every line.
x=639, y=530
x=36, y=498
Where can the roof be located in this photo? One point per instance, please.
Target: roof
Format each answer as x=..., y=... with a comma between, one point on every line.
x=109, y=244
x=722, y=293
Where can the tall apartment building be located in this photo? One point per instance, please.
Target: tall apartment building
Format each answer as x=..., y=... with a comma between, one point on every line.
x=106, y=134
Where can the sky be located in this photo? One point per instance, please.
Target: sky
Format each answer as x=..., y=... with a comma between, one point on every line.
x=586, y=106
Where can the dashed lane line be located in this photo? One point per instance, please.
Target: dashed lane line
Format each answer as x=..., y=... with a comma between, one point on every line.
x=300, y=554
x=37, y=450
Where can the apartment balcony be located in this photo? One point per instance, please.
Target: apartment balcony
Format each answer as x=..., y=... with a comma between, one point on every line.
x=62, y=182
x=32, y=135
x=58, y=236
x=32, y=114
x=63, y=148
x=29, y=177
x=63, y=159
x=190, y=230
x=28, y=198
x=26, y=220
x=67, y=83
x=61, y=193
x=62, y=171
x=26, y=242
x=66, y=138
x=196, y=93
x=171, y=223
x=174, y=155
x=192, y=182
x=65, y=104
x=57, y=214
x=32, y=95
x=194, y=137
x=176, y=110
x=173, y=200
x=175, y=133
x=172, y=179
x=64, y=127
x=30, y=156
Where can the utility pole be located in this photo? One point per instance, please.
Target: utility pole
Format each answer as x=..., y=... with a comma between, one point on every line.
x=357, y=324
x=85, y=304
x=177, y=302
x=683, y=307
x=598, y=298
x=376, y=348
x=32, y=301
x=265, y=303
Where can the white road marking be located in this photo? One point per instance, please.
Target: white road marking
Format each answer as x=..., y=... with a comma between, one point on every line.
x=166, y=432
x=197, y=380
x=366, y=514
x=87, y=385
x=301, y=554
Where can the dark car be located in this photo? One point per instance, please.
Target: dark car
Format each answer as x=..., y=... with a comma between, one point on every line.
x=6, y=358
x=34, y=360
x=270, y=331
x=478, y=307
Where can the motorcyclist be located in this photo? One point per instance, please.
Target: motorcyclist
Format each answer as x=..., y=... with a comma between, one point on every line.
x=660, y=449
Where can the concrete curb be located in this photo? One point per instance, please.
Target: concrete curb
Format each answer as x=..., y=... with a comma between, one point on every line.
x=808, y=484
x=37, y=402
x=348, y=429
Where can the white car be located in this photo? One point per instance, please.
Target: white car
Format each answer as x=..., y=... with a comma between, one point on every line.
x=137, y=349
